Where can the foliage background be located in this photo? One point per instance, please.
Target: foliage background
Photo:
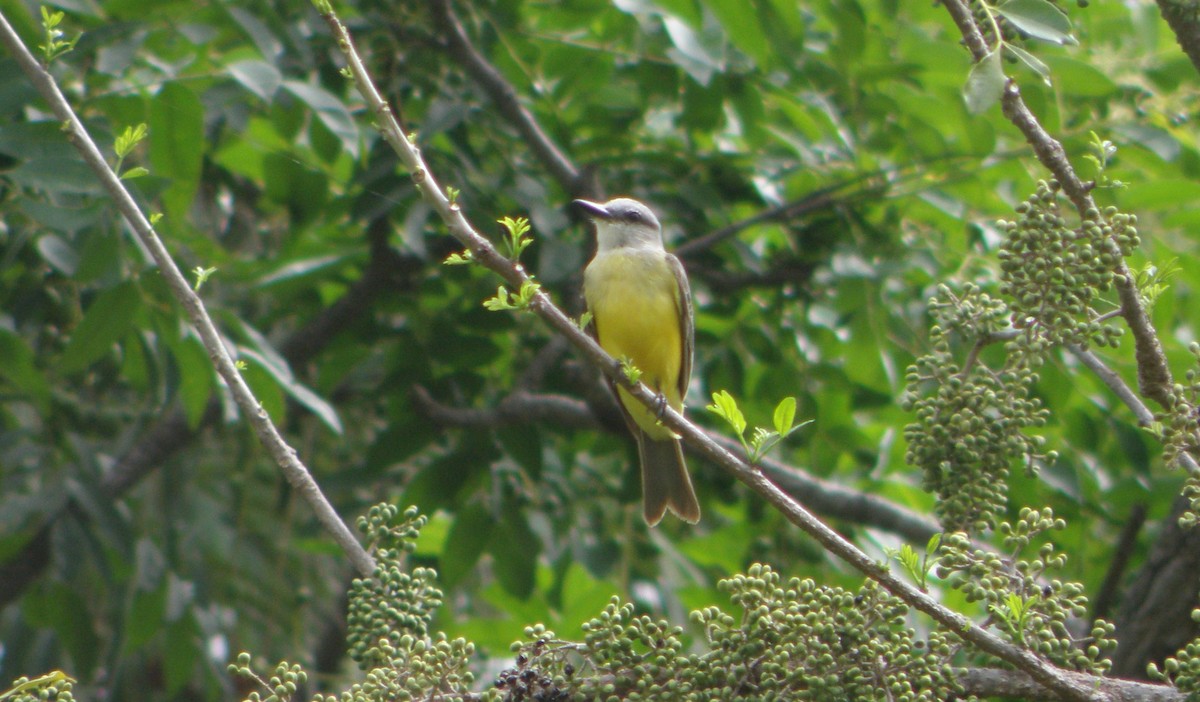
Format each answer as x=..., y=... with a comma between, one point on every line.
x=144, y=535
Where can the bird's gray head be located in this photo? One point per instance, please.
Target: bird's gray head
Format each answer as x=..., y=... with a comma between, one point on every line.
x=623, y=223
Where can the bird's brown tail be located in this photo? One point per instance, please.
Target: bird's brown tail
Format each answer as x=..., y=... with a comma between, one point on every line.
x=665, y=481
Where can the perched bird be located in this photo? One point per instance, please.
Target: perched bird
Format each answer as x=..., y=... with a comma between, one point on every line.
x=641, y=309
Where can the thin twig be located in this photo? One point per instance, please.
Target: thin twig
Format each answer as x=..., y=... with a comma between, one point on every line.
x=283, y=454
x=507, y=100
x=1115, y=384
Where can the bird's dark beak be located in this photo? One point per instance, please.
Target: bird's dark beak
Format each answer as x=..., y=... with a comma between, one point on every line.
x=593, y=210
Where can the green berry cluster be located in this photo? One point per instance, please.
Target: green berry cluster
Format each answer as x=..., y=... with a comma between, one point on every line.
x=393, y=604
x=52, y=687
x=970, y=419
x=281, y=686
x=805, y=641
x=791, y=640
x=1026, y=605
x=1178, y=426
x=388, y=628
x=1183, y=669
x=416, y=668
x=1053, y=272
x=624, y=656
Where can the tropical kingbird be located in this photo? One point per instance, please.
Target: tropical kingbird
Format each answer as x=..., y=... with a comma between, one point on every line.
x=641, y=309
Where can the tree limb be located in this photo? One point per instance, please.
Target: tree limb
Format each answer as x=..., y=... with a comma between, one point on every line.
x=283, y=454
x=823, y=497
x=993, y=682
x=1183, y=19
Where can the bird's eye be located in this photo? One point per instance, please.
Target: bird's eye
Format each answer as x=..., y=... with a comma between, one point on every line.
x=633, y=216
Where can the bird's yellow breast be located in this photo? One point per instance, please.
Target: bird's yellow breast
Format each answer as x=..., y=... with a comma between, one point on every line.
x=634, y=299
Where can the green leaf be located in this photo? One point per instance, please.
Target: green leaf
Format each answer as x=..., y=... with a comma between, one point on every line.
x=129, y=139
x=1033, y=62
x=743, y=28
x=143, y=619
x=290, y=181
x=61, y=219
x=785, y=414
x=195, y=377
x=515, y=549
x=1077, y=78
x=300, y=269
x=264, y=39
x=36, y=140
x=525, y=444
x=259, y=77
x=267, y=391
x=181, y=654
x=56, y=607
x=58, y=252
x=469, y=535
x=279, y=370
x=985, y=84
x=698, y=55
x=57, y=175
x=726, y=407
x=18, y=367
x=1161, y=192
x=330, y=110
x=1039, y=19
x=935, y=542
x=177, y=145
x=107, y=319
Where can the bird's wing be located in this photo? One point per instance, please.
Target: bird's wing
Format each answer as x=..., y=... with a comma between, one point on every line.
x=687, y=325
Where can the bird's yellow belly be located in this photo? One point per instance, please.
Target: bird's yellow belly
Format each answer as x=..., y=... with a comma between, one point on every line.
x=634, y=301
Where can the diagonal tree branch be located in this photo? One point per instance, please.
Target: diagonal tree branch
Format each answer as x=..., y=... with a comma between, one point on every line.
x=283, y=454
x=172, y=434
